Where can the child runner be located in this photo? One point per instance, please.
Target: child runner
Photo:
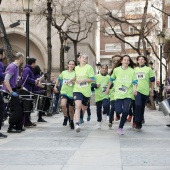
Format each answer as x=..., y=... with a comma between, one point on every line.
x=82, y=88
x=145, y=76
x=101, y=98
x=67, y=92
x=125, y=87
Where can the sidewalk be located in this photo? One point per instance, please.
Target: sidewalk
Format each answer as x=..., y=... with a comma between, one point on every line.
x=50, y=146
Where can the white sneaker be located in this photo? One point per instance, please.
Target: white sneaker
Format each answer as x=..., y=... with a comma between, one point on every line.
x=107, y=118
x=77, y=128
x=104, y=117
x=99, y=125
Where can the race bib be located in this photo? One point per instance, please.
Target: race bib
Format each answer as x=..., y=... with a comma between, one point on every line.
x=140, y=75
x=123, y=89
x=83, y=84
x=104, y=89
x=65, y=81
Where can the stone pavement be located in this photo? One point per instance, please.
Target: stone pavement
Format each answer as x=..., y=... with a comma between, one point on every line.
x=50, y=146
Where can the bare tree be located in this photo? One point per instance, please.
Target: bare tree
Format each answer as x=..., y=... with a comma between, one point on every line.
x=49, y=45
x=5, y=41
x=142, y=25
x=73, y=19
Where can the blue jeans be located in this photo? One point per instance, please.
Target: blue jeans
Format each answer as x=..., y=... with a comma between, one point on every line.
x=99, y=104
x=57, y=96
x=122, y=106
x=140, y=101
x=111, y=115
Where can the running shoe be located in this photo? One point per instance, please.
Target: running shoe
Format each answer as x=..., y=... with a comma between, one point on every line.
x=110, y=125
x=88, y=118
x=168, y=125
x=65, y=121
x=129, y=118
x=120, y=131
x=72, y=125
x=81, y=121
x=77, y=128
x=2, y=136
x=99, y=125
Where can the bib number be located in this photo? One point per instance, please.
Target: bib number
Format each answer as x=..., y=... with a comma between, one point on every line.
x=104, y=89
x=65, y=81
x=123, y=89
x=83, y=84
x=140, y=75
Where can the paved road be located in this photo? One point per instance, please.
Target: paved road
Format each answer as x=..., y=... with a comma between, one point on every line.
x=50, y=146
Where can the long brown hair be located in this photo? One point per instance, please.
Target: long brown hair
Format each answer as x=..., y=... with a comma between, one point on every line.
x=131, y=64
x=146, y=60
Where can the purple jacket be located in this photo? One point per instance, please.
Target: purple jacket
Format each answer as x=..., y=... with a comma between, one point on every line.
x=28, y=79
x=36, y=89
x=1, y=72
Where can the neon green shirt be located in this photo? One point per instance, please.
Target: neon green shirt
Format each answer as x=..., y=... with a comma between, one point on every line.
x=66, y=89
x=82, y=73
x=143, y=75
x=123, y=80
x=100, y=91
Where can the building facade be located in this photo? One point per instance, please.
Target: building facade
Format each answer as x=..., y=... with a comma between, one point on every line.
x=12, y=11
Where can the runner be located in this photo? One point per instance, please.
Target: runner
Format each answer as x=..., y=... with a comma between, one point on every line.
x=82, y=88
x=145, y=76
x=101, y=98
x=67, y=92
x=125, y=87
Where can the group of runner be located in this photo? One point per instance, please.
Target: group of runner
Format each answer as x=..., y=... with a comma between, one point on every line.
x=127, y=85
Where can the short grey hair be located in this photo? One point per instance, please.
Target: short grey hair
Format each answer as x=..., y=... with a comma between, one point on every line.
x=18, y=55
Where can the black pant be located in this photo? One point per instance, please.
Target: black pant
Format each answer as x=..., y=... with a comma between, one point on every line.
x=2, y=105
x=106, y=104
x=16, y=113
x=140, y=101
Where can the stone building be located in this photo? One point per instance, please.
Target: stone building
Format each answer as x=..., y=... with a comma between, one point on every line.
x=12, y=11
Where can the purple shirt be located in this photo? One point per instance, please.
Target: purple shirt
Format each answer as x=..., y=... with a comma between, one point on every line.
x=13, y=70
x=1, y=72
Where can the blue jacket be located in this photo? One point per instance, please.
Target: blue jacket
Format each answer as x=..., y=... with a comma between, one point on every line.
x=28, y=79
x=1, y=72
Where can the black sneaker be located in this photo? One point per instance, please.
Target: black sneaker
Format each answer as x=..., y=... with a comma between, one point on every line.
x=168, y=125
x=41, y=120
x=2, y=136
x=72, y=125
x=13, y=131
x=65, y=121
x=28, y=125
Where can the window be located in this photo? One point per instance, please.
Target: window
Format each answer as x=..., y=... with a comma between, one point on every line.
x=109, y=31
x=115, y=47
x=132, y=30
x=116, y=13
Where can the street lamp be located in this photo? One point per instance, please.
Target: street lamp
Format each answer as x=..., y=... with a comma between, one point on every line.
x=98, y=66
x=27, y=8
x=161, y=39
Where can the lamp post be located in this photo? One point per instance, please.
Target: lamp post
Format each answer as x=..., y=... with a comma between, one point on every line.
x=27, y=7
x=98, y=66
x=161, y=39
